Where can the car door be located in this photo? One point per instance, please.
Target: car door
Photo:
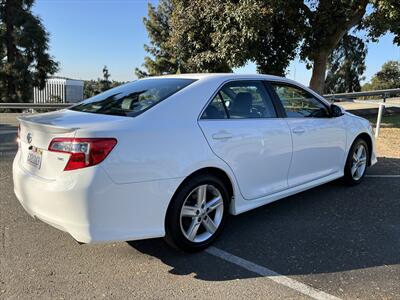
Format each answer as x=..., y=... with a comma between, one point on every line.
x=242, y=127
x=319, y=140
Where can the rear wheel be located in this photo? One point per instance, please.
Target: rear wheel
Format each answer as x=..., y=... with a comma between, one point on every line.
x=197, y=213
x=357, y=162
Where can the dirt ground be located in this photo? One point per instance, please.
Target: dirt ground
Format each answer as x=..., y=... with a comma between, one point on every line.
x=388, y=142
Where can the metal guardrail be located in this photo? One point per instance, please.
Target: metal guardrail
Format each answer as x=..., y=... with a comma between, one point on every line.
x=383, y=93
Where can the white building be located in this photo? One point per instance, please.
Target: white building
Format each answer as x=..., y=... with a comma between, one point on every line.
x=59, y=90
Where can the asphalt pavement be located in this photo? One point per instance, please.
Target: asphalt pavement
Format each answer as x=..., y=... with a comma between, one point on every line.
x=330, y=241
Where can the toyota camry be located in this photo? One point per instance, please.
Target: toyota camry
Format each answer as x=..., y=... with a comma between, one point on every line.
x=173, y=156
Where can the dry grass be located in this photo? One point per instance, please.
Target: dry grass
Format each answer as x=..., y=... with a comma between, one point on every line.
x=388, y=142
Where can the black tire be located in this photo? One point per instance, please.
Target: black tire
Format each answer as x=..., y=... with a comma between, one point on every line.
x=348, y=177
x=174, y=235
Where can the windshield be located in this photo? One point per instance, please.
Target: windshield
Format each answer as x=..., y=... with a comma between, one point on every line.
x=133, y=98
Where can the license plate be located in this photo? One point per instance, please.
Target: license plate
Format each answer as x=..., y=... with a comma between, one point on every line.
x=35, y=157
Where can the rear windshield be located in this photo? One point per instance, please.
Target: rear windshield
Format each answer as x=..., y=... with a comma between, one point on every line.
x=133, y=98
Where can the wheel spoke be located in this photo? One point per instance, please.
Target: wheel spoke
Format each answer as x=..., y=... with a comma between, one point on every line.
x=358, y=172
x=189, y=211
x=201, y=195
x=353, y=169
x=362, y=160
x=355, y=158
x=192, y=231
x=360, y=151
x=214, y=203
x=209, y=225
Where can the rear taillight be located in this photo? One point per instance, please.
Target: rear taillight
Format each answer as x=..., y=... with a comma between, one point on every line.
x=85, y=152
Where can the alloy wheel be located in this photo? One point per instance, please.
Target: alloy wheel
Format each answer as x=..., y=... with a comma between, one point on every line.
x=359, y=162
x=201, y=213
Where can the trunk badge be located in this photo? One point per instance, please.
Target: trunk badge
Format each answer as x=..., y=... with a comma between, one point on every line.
x=29, y=137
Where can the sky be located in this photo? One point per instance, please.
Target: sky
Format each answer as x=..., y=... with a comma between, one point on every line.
x=85, y=35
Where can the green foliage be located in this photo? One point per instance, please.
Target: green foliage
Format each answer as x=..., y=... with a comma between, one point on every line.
x=387, y=78
x=278, y=31
x=384, y=18
x=24, y=58
x=216, y=36
x=162, y=59
x=346, y=65
x=195, y=46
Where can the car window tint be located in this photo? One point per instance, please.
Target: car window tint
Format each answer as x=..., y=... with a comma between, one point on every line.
x=247, y=99
x=133, y=98
x=215, y=110
x=298, y=103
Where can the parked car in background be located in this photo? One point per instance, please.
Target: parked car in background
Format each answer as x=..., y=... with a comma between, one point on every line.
x=174, y=155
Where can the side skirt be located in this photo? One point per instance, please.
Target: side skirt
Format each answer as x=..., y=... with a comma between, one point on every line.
x=246, y=205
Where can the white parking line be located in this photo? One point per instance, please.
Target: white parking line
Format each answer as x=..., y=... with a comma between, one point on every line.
x=265, y=272
x=383, y=176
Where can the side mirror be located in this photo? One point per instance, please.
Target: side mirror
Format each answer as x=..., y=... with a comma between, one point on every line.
x=336, y=111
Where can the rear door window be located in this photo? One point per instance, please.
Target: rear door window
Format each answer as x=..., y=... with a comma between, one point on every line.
x=241, y=100
x=133, y=98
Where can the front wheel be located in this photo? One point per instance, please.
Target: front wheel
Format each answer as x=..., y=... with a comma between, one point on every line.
x=197, y=213
x=357, y=162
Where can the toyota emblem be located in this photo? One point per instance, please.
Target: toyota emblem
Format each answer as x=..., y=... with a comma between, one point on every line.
x=29, y=137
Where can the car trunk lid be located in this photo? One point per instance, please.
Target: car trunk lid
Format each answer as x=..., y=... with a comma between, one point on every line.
x=37, y=131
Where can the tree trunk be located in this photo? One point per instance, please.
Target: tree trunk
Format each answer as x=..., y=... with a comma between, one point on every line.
x=11, y=51
x=317, y=82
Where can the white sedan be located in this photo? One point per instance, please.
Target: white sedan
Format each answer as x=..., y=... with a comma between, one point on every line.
x=172, y=156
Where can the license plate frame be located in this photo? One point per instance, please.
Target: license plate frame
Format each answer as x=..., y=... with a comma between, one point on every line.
x=34, y=157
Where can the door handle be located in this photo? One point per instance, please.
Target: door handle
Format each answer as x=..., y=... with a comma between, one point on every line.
x=298, y=130
x=223, y=135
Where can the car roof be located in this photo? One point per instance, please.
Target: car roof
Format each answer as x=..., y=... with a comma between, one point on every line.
x=221, y=76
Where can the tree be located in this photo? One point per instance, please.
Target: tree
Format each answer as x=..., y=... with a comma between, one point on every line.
x=216, y=36
x=93, y=87
x=326, y=24
x=387, y=78
x=105, y=83
x=385, y=17
x=25, y=61
x=162, y=59
x=193, y=36
x=279, y=32
x=346, y=64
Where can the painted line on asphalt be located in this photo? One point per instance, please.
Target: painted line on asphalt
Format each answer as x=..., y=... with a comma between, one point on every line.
x=382, y=176
x=272, y=275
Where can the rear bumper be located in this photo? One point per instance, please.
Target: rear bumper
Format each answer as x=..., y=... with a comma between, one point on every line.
x=89, y=206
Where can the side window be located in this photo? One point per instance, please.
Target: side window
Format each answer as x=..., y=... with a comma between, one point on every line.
x=298, y=103
x=215, y=110
x=247, y=100
x=241, y=100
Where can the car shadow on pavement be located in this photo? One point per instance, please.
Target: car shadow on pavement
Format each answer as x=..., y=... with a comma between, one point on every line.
x=331, y=228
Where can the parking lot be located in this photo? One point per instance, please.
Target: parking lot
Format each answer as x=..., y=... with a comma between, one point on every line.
x=331, y=241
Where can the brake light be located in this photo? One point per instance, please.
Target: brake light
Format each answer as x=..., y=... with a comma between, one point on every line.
x=85, y=152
